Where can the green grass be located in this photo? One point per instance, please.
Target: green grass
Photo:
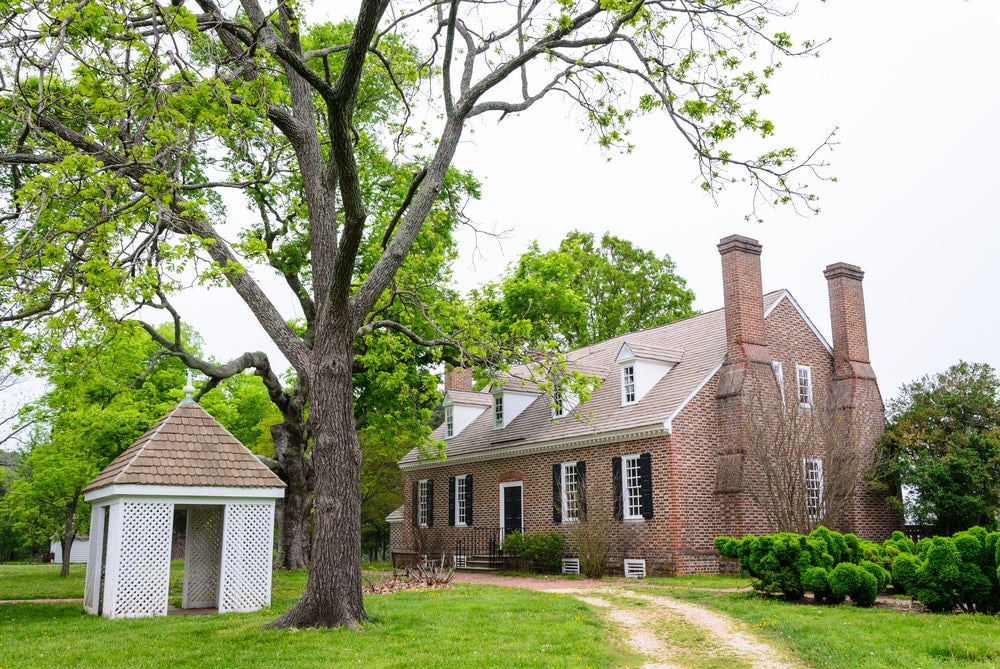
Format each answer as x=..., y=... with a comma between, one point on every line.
x=711, y=582
x=847, y=637
x=466, y=626
x=40, y=581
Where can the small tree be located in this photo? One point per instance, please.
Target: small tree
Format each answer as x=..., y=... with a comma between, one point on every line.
x=943, y=445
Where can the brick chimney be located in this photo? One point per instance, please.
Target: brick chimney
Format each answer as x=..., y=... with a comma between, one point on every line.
x=847, y=318
x=744, y=299
x=458, y=378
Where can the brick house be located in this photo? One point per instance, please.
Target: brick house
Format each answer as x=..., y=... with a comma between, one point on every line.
x=665, y=448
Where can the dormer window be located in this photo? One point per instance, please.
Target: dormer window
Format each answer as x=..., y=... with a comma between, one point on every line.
x=498, y=411
x=558, y=408
x=804, y=374
x=449, y=421
x=628, y=384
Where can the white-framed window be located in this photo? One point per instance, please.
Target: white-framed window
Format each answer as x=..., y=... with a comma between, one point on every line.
x=570, y=492
x=631, y=487
x=423, y=502
x=628, y=384
x=805, y=387
x=498, y=411
x=449, y=421
x=461, y=499
x=558, y=406
x=779, y=376
x=814, y=488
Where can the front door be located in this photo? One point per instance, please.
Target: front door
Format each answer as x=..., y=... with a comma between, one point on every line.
x=510, y=508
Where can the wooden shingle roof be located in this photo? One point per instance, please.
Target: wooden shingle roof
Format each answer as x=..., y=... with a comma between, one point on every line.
x=697, y=344
x=187, y=447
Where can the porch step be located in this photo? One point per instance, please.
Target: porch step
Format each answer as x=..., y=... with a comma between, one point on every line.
x=478, y=563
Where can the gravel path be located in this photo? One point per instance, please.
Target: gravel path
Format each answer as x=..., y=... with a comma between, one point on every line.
x=727, y=638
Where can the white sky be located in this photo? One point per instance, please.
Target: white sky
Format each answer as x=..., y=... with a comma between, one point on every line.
x=911, y=86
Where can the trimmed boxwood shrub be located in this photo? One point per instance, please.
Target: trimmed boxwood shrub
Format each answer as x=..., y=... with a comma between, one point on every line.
x=539, y=551
x=816, y=580
x=878, y=571
x=850, y=580
x=904, y=573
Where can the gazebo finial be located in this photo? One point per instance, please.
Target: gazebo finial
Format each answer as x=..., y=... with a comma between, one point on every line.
x=189, y=389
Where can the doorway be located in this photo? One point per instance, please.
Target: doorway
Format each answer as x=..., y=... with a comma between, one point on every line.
x=511, y=508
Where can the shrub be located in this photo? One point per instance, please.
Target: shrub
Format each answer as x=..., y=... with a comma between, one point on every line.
x=835, y=544
x=816, y=580
x=904, y=573
x=938, y=579
x=545, y=550
x=878, y=571
x=775, y=562
x=850, y=580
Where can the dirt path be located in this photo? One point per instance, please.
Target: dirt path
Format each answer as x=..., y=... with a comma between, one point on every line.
x=673, y=634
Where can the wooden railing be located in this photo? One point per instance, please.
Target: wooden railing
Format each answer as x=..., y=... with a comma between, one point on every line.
x=480, y=541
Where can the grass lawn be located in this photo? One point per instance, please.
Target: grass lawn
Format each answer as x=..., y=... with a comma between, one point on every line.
x=466, y=626
x=847, y=637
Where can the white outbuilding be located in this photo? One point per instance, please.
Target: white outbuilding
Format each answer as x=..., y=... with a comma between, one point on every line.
x=187, y=461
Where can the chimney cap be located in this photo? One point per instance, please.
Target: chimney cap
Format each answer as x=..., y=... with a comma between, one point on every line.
x=739, y=243
x=839, y=269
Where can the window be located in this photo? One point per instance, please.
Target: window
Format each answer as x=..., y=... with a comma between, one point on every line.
x=460, y=500
x=425, y=492
x=569, y=502
x=498, y=411
x=779, y=376
x=633, y=486
x=814, y=488
x=628, y=384
x=804, y=375
x=558, y=409
x=449, y=421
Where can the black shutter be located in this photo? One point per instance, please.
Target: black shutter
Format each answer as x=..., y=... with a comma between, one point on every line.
x=451, y=500
x=430, y=502
x=468, y=499
x=557, y=493
x=415, y=499
x=581, y=488
x=616, y=485
x=646, y=481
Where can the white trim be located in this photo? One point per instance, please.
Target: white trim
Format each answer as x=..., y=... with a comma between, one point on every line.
x=798, y=386
x=510, y=484
x=644, y=432
x=630, y=365
x=464, y=478
x=626, y=515
x=564, y=500
x=449, y=421
x=423, y=508
x=668, y=423
x=786, y=295
x=183, y=494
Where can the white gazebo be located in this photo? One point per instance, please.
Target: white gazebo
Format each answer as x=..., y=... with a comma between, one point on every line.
x=186, y=461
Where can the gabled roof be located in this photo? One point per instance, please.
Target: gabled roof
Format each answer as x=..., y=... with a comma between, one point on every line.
x=469, y=398
x=187, y=447
x=700, y=344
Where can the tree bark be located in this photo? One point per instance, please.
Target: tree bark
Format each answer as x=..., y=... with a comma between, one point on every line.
x=68, y=536
x=293, y=522
x=332, y=596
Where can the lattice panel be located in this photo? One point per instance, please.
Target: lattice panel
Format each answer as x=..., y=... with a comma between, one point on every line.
x=92, y=588
x=202, y=557
x=246, y=570
x=143, y=560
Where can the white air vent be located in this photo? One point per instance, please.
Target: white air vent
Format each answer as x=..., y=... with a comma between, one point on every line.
x=571, y=566
x=635, y=568
x=459, y=562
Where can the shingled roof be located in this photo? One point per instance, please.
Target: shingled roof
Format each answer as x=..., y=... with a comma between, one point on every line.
x=187, y=447
x=699, y=343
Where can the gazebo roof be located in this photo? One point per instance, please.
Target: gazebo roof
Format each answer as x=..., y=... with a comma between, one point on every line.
x=187, y=447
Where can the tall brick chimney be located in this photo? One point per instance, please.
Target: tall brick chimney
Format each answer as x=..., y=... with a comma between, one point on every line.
x=458, y=378
x=847, y=318
x=744, y=299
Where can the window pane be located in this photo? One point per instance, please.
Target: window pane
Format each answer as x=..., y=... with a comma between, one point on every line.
x=422, y=502
x=814, y=488
x=628, y=384
x=632, y=487
x=571, y=493
x=460, y=500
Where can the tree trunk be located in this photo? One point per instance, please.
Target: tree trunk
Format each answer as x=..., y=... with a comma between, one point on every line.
x=332, y=596
x=68, y=536
x=293, y=524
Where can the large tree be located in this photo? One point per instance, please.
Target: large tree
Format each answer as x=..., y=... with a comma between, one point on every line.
x=943, y=445
x=584, y=292
x=121, y=122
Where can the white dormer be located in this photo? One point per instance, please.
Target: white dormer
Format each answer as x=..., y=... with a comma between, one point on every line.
x=508, y=405
x=641, y=369
x=458, y=415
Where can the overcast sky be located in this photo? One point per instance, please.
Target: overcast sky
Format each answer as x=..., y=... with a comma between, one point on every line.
x=911, y=87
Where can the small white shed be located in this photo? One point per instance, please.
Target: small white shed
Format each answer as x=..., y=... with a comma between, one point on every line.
x=79, y=550
x=186, y=461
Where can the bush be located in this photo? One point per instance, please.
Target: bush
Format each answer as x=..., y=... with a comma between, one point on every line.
x=545, y=550
x=816, y=580
x=878, y=571
x=939, y=578
x=904, y=573
x=850, y=580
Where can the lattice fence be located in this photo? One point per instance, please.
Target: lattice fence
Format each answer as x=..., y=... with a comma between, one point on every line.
x=246, y=577
x=202, y=557
x=95, y=562
x=143, y=573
